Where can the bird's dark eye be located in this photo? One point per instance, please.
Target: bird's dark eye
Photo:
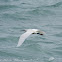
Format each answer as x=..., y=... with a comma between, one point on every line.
x=37, y=33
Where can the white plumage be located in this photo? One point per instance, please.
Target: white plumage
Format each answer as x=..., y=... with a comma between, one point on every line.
x=27, y=33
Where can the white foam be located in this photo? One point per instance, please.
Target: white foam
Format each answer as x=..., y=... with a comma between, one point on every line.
x=51, y=58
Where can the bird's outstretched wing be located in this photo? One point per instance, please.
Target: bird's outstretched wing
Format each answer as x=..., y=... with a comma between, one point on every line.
x=23, y=37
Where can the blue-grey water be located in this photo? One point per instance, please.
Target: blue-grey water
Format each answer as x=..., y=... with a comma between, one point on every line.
x=16, y=15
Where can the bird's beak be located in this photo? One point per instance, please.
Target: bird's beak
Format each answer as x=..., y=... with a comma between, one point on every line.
x=41, y=34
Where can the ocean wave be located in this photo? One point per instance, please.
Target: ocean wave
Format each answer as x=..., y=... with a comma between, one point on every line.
x=7, y=6
x=59, y=4
x=41, y=11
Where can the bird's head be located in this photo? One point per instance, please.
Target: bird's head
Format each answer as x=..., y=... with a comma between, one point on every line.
x=41, y=32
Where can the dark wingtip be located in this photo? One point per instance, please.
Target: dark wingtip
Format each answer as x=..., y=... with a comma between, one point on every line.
x=23, y=30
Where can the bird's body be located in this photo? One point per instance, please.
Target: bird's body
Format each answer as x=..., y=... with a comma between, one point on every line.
x=27, y=33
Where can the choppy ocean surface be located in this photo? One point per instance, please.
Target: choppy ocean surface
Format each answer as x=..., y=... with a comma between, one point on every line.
x=16, y=15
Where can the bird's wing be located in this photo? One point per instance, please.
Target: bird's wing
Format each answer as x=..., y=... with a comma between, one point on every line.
x=23, y=37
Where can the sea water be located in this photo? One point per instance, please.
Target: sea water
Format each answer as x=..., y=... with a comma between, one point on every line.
x=16, y=15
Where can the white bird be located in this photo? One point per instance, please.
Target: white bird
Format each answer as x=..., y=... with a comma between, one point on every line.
x=27, y=33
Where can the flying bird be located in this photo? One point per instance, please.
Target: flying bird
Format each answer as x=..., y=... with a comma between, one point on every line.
x=27, y=33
